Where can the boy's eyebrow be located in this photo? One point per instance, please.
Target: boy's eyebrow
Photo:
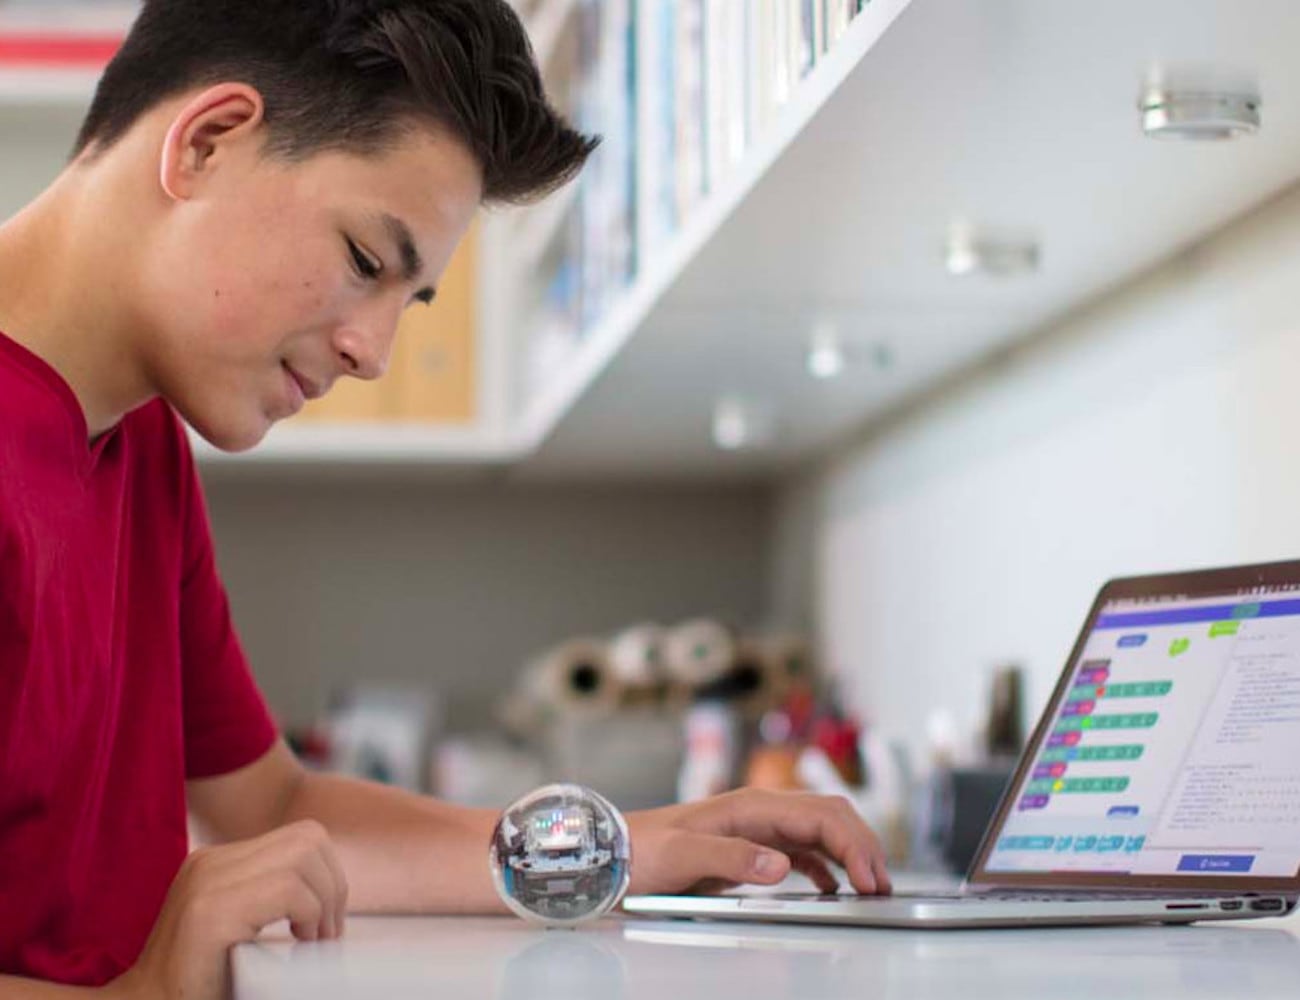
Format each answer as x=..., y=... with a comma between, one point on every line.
x=412, y=262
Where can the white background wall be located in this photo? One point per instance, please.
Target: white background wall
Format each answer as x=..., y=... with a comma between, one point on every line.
x=1157, y=429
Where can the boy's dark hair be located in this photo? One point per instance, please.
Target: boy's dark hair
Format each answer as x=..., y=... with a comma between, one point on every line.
x=352, y=75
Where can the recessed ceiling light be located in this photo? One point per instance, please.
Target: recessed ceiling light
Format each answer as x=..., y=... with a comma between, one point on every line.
x=739, y=424
x=825, y=353
x=980, y=250
x=1198, y=115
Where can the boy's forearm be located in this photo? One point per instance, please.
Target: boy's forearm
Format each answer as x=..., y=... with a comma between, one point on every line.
x=14, y=988
x=402, y=853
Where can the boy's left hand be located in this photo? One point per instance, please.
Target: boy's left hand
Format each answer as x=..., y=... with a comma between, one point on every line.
x=753, y=836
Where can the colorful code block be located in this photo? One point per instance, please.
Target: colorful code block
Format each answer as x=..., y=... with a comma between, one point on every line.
x=1134, y=720
x=1119, y=751
x=1072, y=786
x=1139, y=689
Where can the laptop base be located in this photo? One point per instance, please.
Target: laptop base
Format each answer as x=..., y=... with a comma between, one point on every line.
x=962, y=911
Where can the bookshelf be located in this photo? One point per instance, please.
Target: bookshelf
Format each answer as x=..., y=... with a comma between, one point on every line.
x=726, y=179
x=704, y=86
x=1018, y=113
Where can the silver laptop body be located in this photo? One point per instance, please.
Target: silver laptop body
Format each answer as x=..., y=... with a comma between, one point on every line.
x=1162, y=782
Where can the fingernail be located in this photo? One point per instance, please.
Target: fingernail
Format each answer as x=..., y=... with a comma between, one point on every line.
x=767, y=863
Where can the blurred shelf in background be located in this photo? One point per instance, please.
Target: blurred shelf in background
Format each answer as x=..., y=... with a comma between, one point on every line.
x=53, y=51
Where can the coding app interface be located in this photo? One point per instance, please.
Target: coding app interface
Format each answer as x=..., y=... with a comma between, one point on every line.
x=1175, y=749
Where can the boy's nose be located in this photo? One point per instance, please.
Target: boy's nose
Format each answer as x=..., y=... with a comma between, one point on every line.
x=363, y=350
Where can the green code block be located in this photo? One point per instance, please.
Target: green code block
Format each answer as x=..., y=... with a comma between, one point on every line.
x=1141, y=689
x=1090, y=785
x=1125, y=751
x=1133, y=720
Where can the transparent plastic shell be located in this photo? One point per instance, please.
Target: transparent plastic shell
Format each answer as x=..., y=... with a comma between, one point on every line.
x=561, y=855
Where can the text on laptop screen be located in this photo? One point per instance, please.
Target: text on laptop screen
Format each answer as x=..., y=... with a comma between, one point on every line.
x=1175, y=749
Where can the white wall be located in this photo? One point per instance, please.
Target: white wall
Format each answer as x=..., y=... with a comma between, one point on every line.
x=456, y=585
x=1157, y=429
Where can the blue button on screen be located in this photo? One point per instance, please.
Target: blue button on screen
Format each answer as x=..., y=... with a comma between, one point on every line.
x=1215, y=862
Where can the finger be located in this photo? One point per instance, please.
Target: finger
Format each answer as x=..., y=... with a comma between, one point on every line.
x=262, y=900
x=314, y=868
x=306, y=846
x=303, y=848
x=818, y=822
x=306, y=911
x=853, y=844
x=816, y=871
x=331, y=856
x=704, y=857
x=884, y=886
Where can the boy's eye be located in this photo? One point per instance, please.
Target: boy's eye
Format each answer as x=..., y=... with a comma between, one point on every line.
x=366, y=267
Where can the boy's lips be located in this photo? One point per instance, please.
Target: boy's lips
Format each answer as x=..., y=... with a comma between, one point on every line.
x=309, y=388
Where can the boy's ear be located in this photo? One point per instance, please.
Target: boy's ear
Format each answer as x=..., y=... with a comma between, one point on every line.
x=204, y=126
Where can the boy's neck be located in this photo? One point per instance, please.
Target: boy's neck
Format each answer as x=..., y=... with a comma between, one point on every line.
x=62, y=297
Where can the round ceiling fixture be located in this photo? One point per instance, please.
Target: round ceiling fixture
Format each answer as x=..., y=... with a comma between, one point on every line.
x=971, y=249
x=1198, y=115
x=825, y=353
x=740, y=424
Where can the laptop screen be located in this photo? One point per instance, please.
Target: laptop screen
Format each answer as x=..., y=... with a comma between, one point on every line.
x=1171, y=748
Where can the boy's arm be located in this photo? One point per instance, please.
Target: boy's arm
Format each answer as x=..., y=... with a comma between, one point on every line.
x=13, y=988
x=401, y=852
x=410, y=853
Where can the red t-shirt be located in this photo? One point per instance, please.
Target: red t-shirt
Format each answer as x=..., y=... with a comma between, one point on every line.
x=120, y=674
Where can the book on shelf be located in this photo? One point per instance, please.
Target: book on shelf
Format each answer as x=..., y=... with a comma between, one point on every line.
x=607, y=205
x=688, y=108
x=656, y=72
x=680, y=91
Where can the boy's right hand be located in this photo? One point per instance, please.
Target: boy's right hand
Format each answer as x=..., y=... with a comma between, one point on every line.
x=224, y=895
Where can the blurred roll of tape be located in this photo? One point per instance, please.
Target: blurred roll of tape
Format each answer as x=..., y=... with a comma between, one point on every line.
x=636, y=655
x=757, y=679
x=698, y=651
x=574, y=678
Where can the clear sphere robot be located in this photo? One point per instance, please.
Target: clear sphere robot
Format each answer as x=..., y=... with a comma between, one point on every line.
x=561, y=856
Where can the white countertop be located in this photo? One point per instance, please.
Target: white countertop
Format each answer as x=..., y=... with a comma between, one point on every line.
x=623, y=958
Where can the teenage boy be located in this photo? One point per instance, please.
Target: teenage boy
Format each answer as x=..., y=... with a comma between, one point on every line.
x=260, y=189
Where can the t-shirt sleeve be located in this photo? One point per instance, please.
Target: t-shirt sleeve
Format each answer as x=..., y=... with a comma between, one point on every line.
x=227, y=722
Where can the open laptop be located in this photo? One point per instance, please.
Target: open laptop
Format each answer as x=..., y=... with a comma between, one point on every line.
x=1162, y=782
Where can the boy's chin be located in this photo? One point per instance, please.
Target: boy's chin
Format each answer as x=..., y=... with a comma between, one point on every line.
x=231, y=436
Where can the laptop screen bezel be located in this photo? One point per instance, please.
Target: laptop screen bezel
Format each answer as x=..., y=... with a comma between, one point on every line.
x=1190, y=584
